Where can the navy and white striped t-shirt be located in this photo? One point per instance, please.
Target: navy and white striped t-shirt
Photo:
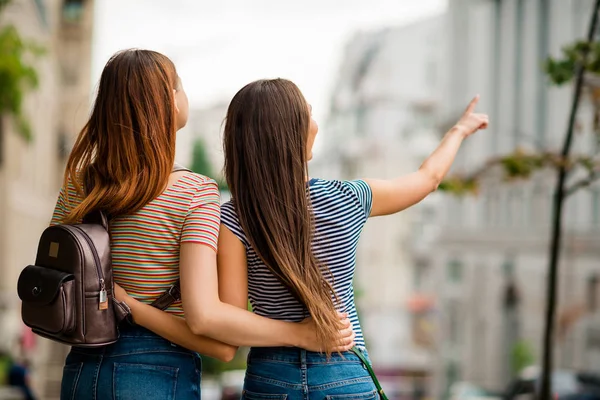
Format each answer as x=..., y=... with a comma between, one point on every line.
x=340, y=209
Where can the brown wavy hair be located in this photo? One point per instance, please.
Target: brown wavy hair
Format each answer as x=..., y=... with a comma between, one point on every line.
x=265, y=140
x=126, y=150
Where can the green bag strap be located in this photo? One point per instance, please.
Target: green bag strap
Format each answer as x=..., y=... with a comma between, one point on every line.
x=360, y=355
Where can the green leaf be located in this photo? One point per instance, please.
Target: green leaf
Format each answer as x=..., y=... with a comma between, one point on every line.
x=17, y=75
x=459, y=186
x=4, y=3
x=587, y=163
x=562, y=70
x=24, y=127
x=202, y=165
x=200, y=161
x=522, y=356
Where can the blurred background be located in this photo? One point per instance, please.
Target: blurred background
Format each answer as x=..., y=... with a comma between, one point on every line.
x=452, y=292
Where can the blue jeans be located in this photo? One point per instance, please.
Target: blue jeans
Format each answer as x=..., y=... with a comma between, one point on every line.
x=141, y=365
x=295, y=374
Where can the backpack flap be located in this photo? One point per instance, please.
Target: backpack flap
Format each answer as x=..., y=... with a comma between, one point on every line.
x=47, y=295
x=41, y=285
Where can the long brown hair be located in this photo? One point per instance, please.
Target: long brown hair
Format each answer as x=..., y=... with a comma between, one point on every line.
x=265, y=141
x=126, y=150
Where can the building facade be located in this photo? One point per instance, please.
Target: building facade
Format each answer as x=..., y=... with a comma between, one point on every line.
x=382, y=124
x=31, y=172
x=491, y=257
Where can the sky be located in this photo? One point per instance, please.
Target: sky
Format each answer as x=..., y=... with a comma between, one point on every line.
x=218, y=46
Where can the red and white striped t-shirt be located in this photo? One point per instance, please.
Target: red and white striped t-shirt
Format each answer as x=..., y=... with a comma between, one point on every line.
x=145, y=245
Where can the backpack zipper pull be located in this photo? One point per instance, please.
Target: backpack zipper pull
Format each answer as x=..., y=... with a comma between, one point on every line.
x=103, y=297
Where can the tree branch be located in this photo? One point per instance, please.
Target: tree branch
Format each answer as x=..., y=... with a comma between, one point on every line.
x=517, y=165
x=583, y=183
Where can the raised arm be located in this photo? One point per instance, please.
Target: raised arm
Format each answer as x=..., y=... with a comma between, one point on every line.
x=392, y=196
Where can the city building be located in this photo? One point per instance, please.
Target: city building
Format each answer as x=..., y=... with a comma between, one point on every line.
x=31, y=172
x=382, y=124
x=491, y=256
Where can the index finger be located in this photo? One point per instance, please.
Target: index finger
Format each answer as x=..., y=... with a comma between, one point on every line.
x=472, y=105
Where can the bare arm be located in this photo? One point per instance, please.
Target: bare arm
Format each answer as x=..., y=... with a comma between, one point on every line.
x=174, y=329
x=232, y=269
x=207, y=315
x=234, y=288
x=246, y=331
x=392, y=196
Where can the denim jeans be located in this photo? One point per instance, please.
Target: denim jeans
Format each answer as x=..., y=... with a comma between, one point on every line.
x=295, y=374
x=140, y=366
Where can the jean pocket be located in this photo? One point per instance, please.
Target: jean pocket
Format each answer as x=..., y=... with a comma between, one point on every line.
x=247, y=395
x=70, y=379
x=372, y=395
x=144, y=382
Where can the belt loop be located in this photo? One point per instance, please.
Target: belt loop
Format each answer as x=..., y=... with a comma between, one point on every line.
x=303, y=357
x=304, y=373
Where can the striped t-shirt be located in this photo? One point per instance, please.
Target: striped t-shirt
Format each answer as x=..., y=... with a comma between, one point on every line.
x=145, y=245
x=340, y=209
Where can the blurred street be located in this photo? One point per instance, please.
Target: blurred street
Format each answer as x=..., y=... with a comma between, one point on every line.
x=452, y=293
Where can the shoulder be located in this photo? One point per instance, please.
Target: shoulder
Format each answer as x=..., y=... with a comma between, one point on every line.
x=194, y=180
x=229, y=216
x=230, y=219
x=338, y=187
x=356, y=194
x=202, y=187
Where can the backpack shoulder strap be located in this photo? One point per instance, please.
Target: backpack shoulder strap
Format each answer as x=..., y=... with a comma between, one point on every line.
x=169, y=297
x=178, y=168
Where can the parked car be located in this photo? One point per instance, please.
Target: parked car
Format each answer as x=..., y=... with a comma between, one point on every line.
x=566, y=385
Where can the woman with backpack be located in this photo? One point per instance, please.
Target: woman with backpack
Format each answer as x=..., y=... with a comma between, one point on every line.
x=288, y=242
x=163, y=226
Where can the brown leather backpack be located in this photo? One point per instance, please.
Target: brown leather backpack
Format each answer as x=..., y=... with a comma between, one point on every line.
x=67, y=295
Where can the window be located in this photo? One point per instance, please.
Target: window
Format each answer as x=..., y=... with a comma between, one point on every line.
x=543, y=35
x=455, y=211
x=592, y=293
x=453, y=322
x=453, y=375
x=431, y=74
x=420, y=271
x=492, y=210
x=72, y=10
x=41, y=7
x=508, y=267
x=455, y=271
x=495, y=76
x=361, y=115
x=518, y=83
x=505, y=203
x=62, y=146
x=539, y=204
x=595, y=207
